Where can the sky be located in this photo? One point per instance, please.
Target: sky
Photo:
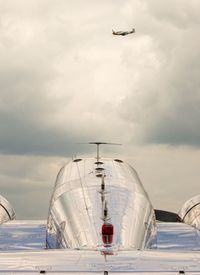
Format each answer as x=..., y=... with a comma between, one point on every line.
x=65, y=79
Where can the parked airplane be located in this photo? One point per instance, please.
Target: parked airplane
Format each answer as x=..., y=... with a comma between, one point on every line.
x=101, y=221
x=123, y=33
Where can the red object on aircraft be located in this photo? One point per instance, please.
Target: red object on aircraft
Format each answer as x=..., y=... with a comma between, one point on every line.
x=107, y=233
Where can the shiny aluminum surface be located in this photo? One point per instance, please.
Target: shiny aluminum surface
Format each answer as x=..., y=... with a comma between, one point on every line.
x=7, y=212
x=76, y=262
x=78, y=204
x=31, y=235
x=190, y=212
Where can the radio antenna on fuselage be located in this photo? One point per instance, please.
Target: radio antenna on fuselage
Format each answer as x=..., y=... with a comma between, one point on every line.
x=101, y=143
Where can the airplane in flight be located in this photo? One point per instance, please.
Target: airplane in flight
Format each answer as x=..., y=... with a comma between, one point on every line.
x=101, y=221
x=123, y=33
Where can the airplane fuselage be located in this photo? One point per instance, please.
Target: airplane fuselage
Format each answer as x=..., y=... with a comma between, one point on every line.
x=97, y=204
x=123, y=33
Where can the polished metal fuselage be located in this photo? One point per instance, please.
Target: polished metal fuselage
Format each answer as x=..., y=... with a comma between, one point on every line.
x=77, y=208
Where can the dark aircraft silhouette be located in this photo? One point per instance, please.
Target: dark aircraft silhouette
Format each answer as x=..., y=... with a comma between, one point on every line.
x=123, y=33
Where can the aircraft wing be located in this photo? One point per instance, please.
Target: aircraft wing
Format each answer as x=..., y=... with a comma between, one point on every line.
x=22, y=250
x=177, y=237
x=91, y=262
x=22, y=235
x=31, y=235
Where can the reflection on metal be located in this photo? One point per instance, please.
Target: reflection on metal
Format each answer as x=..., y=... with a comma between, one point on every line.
x=82, y=195
x=190, y=212
x=7, y=213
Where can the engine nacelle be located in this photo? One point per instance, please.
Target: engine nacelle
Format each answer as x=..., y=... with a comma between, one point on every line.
x=7, y=212
x=190, y=212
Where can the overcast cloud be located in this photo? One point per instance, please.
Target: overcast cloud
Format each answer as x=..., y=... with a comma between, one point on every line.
x=65, y=79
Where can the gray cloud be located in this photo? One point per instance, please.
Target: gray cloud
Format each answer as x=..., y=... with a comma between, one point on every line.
x=65, y=79
x=35, y=112
x=27, y=182
x=49, y=77
x=164, y=106
x=25, y=110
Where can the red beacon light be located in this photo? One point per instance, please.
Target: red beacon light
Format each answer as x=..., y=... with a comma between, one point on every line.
x=107, y=233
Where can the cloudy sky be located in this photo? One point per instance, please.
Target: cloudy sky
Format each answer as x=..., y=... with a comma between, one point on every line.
x=64, y=79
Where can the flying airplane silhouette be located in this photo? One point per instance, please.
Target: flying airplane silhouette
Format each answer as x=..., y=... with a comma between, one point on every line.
x=123, y=33
x=101, y=221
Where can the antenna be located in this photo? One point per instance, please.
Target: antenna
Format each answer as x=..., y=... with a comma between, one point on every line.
x=97, y=143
